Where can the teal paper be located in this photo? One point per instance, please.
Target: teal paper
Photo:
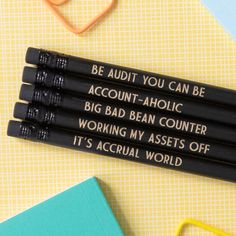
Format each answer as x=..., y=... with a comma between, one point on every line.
x=225, y=12
x=80, y=210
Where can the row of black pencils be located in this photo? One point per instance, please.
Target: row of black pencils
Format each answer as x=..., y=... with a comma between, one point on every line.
x=127, y=113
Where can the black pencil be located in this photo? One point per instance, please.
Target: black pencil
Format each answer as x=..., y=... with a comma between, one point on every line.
x=111, y=147
x=131, y=76
x=120, y=130
x=129, y=95
x=61, y=99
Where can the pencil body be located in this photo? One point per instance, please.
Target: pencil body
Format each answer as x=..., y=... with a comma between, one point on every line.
x=134, y=96
x=111, y=147
x=108, y=110
x=120, y=130
x=131, y=76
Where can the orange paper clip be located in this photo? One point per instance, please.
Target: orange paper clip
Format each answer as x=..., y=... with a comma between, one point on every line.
x=52, y=4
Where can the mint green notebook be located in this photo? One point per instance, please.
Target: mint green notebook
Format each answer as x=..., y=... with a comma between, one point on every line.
x=80, y=210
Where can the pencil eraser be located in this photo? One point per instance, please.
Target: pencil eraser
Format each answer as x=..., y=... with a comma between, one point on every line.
x=13, y=128
x=29, y=75
x=20, y=110
x=27, y=92
x=32, y=56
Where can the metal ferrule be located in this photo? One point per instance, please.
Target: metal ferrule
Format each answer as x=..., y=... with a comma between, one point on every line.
x=31, y=131
x=53, y=60
x=47, y=97
x=48, y=78
x=41, y=114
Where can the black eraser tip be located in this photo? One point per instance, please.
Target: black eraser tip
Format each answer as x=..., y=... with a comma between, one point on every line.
x=27, y=92
x=29, y=75
x=14, y=128
x=32, y=56
x=20, y=110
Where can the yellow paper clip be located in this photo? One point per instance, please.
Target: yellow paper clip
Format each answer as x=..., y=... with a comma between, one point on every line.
x=52, y=4
x=200, y=225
